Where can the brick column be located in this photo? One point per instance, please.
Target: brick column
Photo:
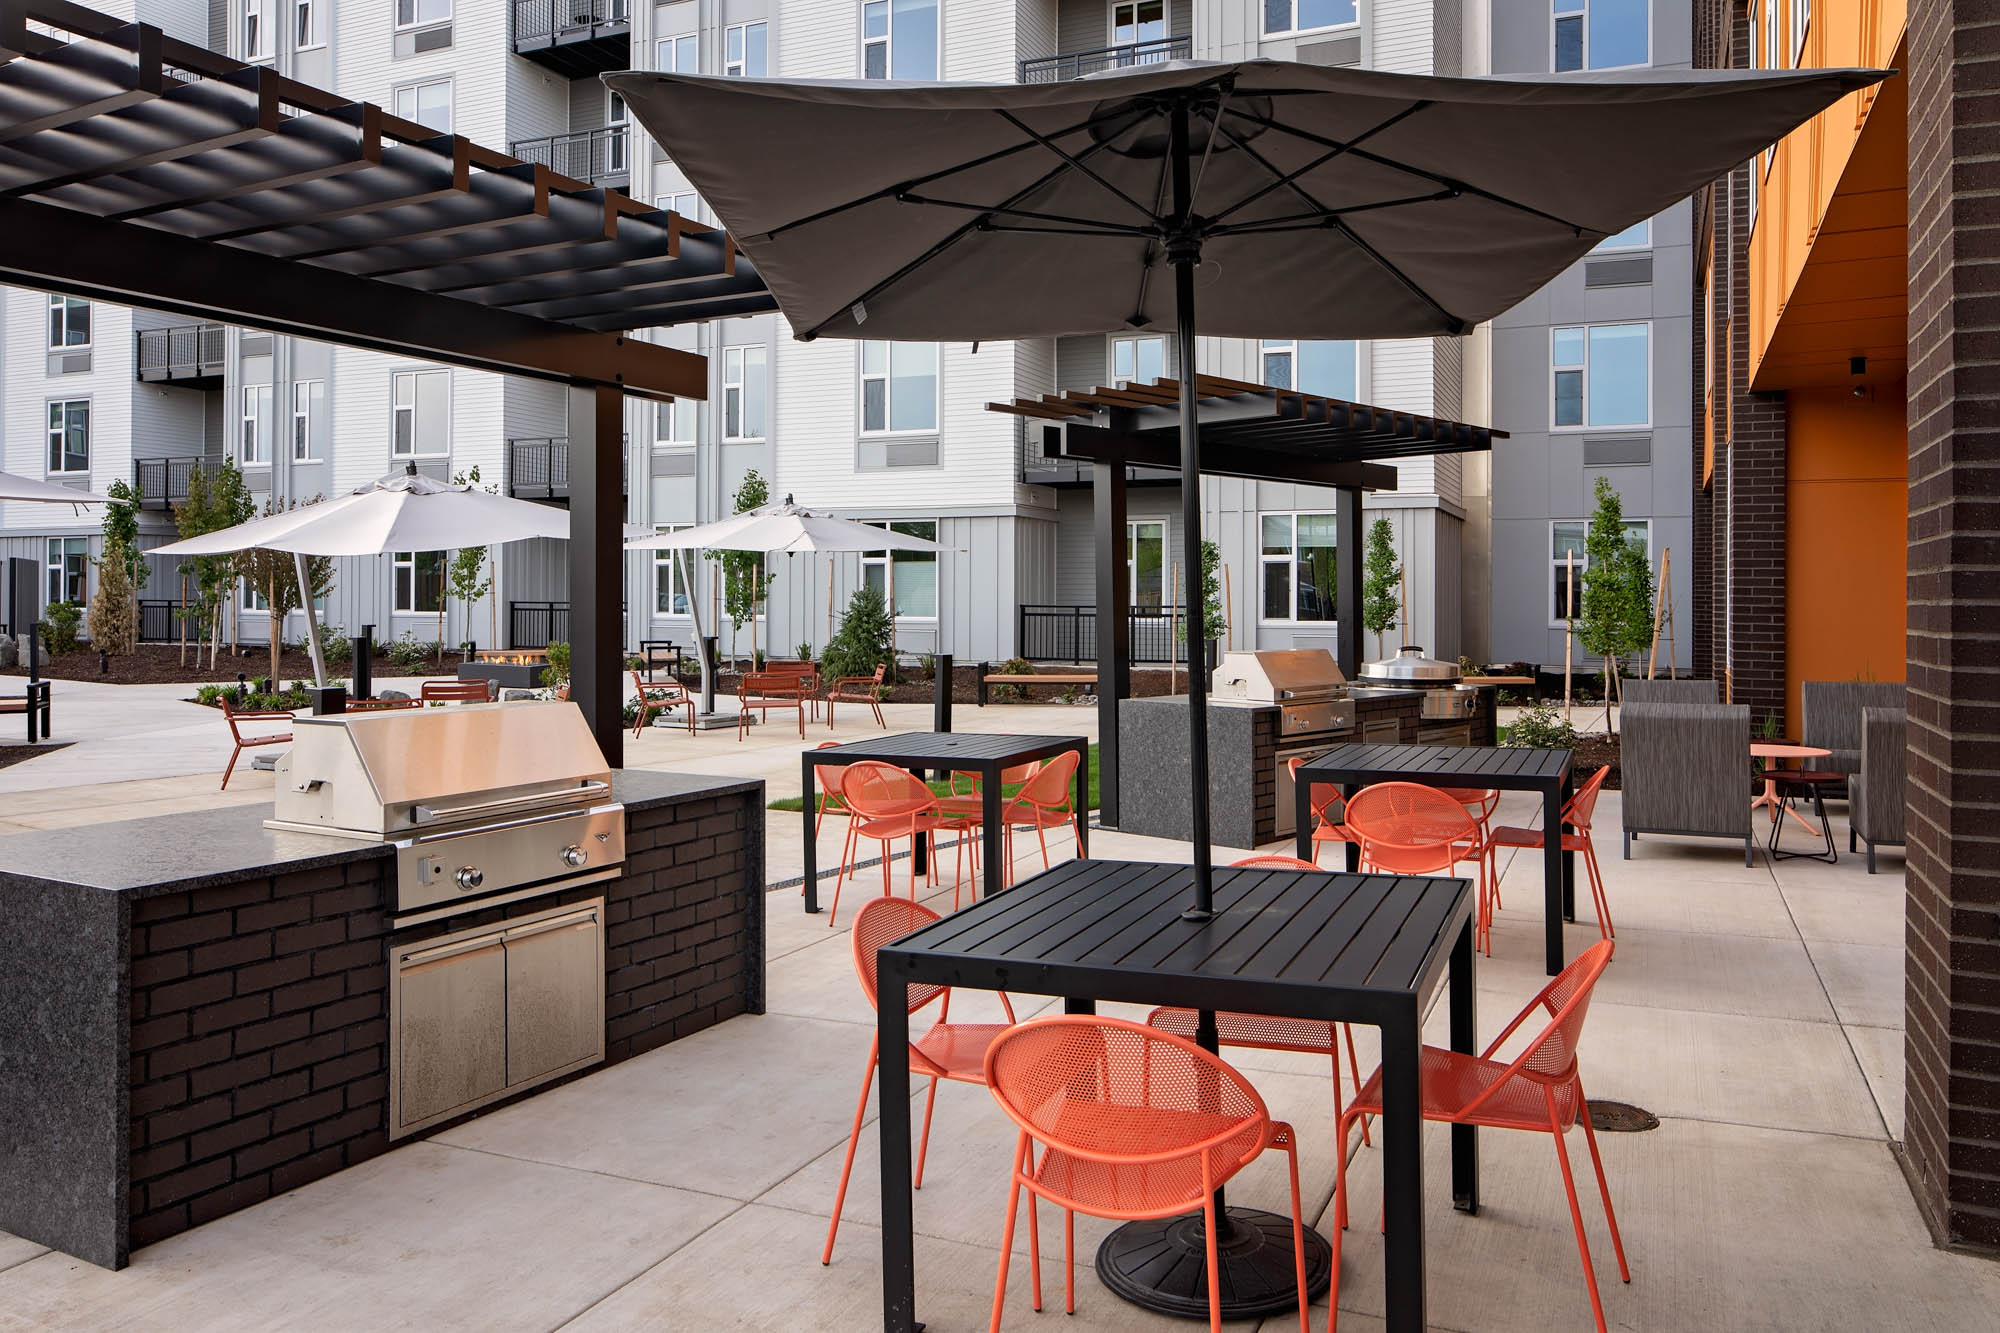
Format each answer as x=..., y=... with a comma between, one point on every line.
x=1952, y=983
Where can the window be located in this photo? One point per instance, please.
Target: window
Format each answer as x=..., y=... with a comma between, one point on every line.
x=420, y=410
x=1136, y=360
x=1135, y=21
x=746, y=50
x=1603, y=375
x=676, y=55
x=907, y=580
x=256, y=31
x=1323, y=368
x=428, y=103
x=254, y=444
x=250, y=598
x=745, y=391
x=618, y=120
x=69, y=322
x=1638, y=236
x=686, y=203
x=422, y=13
x=1800, y=21
x=69, y=435
x=899, y=386
x=670, y=593
x=419, y=582
x=1297, y=562
x=308, y=407
x=1282, y=16
x=305, y=27
x=1146, y=562
x=69, y=569
x=1602, y=34
x=1566, y=540
x=674, y=422
x=899, y=39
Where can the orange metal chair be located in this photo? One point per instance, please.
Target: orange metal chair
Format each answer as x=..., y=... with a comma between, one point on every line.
x=1325, y=797
x=886, y=803
x=457, y=691
x=1047, y=800
x=857, y=690
x=761, y=691
x=242, y=742
x=1480, y=803
x=829, y=797
x=955, y=1051
x=1405, y=828
x=1538, y=1090
x=968, y=809
x=1272, y=863
x=1132, y=1123
x=379, y=705
x=1576, y=815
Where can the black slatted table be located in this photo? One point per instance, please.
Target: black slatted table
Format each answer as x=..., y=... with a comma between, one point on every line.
x=1303, y=944
x=986, y=753
x=1505, y=767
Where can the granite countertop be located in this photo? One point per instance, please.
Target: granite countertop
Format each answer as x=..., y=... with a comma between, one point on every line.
x=200, y=849
x=1360, y=694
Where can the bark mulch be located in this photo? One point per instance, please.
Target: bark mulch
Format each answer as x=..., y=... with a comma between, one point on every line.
x=160, y=664
x=14, y=754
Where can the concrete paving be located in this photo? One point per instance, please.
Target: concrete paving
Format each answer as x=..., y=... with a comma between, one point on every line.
x=1756, y=1011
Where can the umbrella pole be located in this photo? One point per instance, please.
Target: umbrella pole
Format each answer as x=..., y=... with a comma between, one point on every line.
x=312, y=621
x=694, y=610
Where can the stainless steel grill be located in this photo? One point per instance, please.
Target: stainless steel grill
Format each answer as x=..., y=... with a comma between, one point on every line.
x=1445, y=694
x=1306, y=683
x=484, y=803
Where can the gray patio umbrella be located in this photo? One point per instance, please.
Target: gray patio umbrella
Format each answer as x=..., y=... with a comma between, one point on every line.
x=1287, y=200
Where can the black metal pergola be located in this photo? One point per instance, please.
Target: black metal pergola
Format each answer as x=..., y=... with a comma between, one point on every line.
x=146, y=171
x=1251, y=431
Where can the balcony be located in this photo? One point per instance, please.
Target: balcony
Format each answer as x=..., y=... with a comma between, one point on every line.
x=1061, y=69
x=538, y=469
x=1069, y=633
x=597, y=157
x=578, y=39
x=189, y=356
x=163, y=482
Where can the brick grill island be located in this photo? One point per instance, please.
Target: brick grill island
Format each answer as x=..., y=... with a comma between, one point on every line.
x=194, y=1009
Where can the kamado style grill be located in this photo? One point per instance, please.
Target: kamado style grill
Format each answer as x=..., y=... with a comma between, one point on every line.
x=484, y=803
x=1445, y=696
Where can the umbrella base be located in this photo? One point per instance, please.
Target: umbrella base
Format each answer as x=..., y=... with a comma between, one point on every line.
x=713, y=721
x=1162, y=1265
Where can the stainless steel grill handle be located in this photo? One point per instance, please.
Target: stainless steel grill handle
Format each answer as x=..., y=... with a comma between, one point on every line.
x=428, y=814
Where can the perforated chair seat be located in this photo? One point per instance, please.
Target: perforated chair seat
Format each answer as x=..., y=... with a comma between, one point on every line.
x=1452, y=1079
x=1141, y=1189
x=955, y=1051
x=1257, y=1031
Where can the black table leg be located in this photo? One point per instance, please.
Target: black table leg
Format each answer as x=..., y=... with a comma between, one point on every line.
x=1082, y=801
x=1347, y=789
x=811, y=790
x=990, y=830
x=1564, y=792
x=1465, y=1039
x=1403, y=1171
x=1303, y=830
x=1553, y=880
x=899, y=1260
x=1076, y=1004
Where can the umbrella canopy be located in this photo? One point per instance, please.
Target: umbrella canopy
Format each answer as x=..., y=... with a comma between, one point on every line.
x=405, y=512
x=783, y=529
x=28, y=488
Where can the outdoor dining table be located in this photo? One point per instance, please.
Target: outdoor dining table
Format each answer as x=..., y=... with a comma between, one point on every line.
x=1292, y=943
x=1505, y=768
x=987, y=753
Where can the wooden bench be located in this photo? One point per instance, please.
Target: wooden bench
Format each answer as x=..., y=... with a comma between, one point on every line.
x=988, y=676
x=35, y=704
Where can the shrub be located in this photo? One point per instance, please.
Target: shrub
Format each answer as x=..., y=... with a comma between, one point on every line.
x=1013, y=666
x=556, y=673
x=334, y=645
x=804, y=651
x=114, y=611
x=211, y=695
x=634, y=662
x=62, y=620
x=862, y=642
x=408, y=653
x=1542, y=728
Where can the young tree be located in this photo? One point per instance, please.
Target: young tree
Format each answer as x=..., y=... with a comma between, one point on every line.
x=864, y=638
x=121, y=536
x=274, y=577
x=114, y=610
x=1381, y=577
x=1214, y=624
x=1616, y=617
x=469, y=576
x=213, y=503
x=745, y=582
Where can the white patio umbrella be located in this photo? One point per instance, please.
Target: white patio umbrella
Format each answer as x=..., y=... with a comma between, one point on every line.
x=403, y=512
x=42, y=492
x=780, y=529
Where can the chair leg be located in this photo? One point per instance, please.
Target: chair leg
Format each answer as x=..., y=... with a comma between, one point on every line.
x=847, y=1166
x=1069, y=1261
x=1603, y=1189
x=1339, y=1222
x=1214, y=1262
x=1007, y=1234
x=1597, y=890
x=238, y=754
x=924, y=1139
x=1298, y=1230
x=1575, y=1212
x=1353, y=1068
x=1035, y=1243
x=1871, y=858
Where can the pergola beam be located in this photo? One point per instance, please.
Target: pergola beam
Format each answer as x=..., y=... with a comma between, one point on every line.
x=1096, y=444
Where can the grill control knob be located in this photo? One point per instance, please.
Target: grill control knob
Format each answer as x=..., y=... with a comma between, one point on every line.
x=470, y=877
x=574, y=855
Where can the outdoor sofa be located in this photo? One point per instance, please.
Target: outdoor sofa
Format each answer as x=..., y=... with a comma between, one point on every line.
x=1830, y=717
x=1685, y=770
x=1875, y=790
x=1659, y=691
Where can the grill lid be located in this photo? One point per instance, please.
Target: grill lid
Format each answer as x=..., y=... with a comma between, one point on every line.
x=1278, y=676
x=1411, y=665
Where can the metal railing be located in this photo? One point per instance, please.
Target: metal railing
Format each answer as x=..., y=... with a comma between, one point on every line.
x=157, y=623
x=182, y=352
x=1069, y=634
x=1063, y=68
x=538, y=469
x=537, y=624
x=163, y=482
x=585, y=155
x=561, y=20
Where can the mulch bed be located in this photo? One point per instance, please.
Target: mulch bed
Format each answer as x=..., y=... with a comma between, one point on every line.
x=160, y=664
x=1592, y=753
x=916, y=689
x=14, y=754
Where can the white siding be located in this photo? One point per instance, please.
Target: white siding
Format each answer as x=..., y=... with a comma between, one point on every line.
x=1403, y=30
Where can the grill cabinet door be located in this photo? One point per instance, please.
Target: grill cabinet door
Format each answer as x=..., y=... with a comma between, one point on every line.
x=451, y=1028
x=555, y=995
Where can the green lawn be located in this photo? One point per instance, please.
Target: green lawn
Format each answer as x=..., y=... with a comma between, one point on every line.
x=795, y=803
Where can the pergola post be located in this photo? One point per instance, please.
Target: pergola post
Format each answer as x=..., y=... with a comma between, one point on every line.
x=597, y=562
x=1349, y=542
x=1114, y=628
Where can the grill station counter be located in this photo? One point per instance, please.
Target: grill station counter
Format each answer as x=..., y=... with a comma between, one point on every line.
x=1265, y=709
x=444, y=908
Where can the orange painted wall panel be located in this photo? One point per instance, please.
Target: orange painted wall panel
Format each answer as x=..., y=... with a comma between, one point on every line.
x=1846, y=537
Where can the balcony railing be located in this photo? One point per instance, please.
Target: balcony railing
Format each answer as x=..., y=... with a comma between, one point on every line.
x=538, y=469
x=157, y=623
x=191, y=354
x=565, y=20
x=163, y=482
x=1069, y=634
x=1063, y=68
x=537, y=624
x=585, y=155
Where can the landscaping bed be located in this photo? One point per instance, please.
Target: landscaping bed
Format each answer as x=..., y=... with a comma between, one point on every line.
x=915, y=686
x=14, y=754
x=160, y=664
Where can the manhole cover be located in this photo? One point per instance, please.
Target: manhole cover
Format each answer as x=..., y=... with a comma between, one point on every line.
x=1621, y=1118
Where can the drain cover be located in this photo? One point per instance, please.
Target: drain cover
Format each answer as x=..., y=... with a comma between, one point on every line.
x=1621, y=1118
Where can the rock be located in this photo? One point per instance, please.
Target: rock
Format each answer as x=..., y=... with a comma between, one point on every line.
x=509, y=696
x=10, y=653
x=390, y=694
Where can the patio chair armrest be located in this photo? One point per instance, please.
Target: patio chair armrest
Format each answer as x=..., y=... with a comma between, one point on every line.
x=267, y=715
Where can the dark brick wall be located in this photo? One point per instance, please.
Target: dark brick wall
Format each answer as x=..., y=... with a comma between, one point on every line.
x=1952, y=929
